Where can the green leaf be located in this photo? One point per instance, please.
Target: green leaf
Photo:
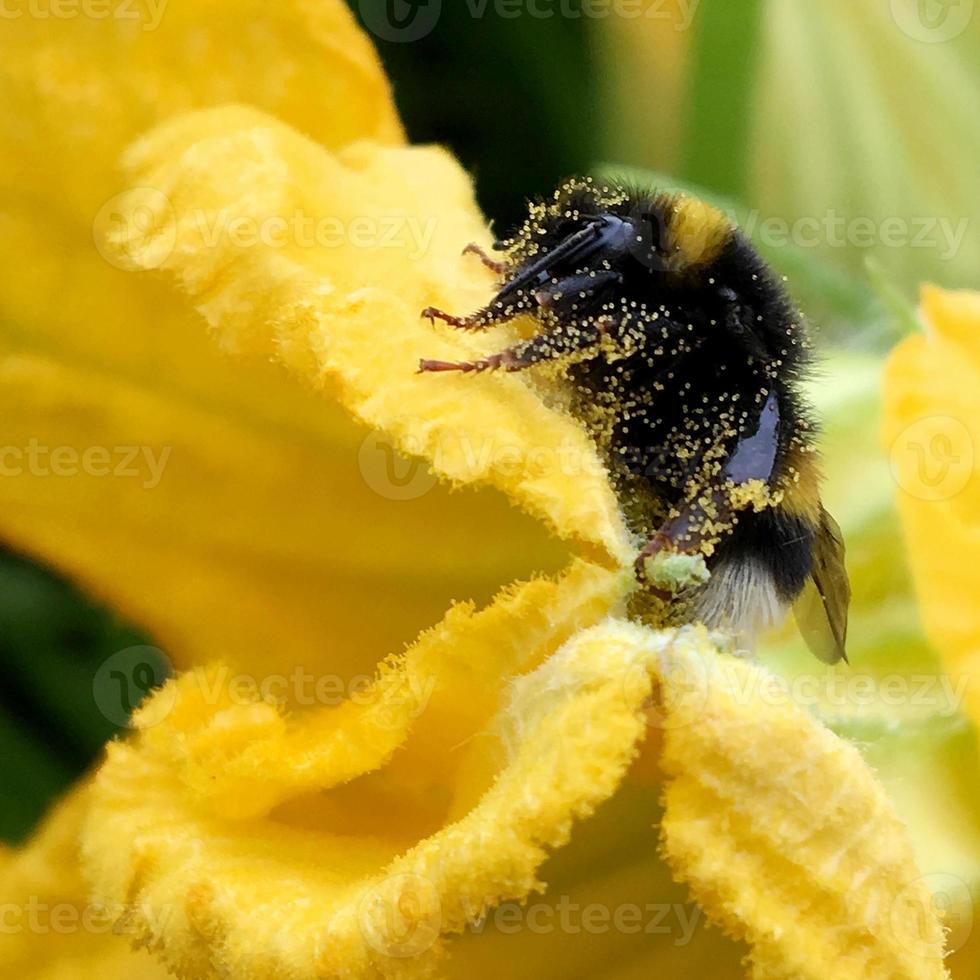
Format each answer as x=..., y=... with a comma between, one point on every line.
x=871, y=111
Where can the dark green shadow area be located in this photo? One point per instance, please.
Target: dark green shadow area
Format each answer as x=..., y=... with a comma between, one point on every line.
x=514, y=97
x=56, y=709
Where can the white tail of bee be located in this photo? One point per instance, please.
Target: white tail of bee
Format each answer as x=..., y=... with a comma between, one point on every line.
x=740, y=598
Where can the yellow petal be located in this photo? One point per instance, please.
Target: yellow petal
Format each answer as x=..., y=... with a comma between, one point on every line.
x=77, y=89
x=50, y=930
x=249, y=491
x=319, y=886
x=778, y=825
x=611, y=910
x=271, y=525
x=242, y=757
x=113, y=373
x=932, y=433
x=272, y=502
x=785, y=836
x=348, y=317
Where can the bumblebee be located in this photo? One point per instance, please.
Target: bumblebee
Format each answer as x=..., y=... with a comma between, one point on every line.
x=683, y=353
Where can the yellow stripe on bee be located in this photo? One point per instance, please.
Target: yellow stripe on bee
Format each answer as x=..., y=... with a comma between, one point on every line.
x=699, y=231
x=801, y=495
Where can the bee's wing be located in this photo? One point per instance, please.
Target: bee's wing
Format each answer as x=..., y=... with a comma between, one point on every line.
x=821, y=609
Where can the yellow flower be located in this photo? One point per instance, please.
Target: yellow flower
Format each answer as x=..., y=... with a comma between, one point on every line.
x=250, y=305
x=932, y=401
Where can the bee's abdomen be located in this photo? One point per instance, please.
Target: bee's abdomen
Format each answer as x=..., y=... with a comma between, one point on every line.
x=757, y=573
x=777, y=541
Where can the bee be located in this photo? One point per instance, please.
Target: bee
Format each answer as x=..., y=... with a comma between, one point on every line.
x=683, y=353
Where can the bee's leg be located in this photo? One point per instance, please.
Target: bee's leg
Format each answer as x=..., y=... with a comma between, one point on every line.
x=499, y=267
x=494, y=312
x=544, y=347
x=550, y=295
x=687, y=532
x=514, y=296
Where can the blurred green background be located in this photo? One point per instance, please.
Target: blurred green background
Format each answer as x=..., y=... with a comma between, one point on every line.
x=852, y=124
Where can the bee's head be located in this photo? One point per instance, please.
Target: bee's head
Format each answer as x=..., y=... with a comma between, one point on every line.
x=590, y=240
